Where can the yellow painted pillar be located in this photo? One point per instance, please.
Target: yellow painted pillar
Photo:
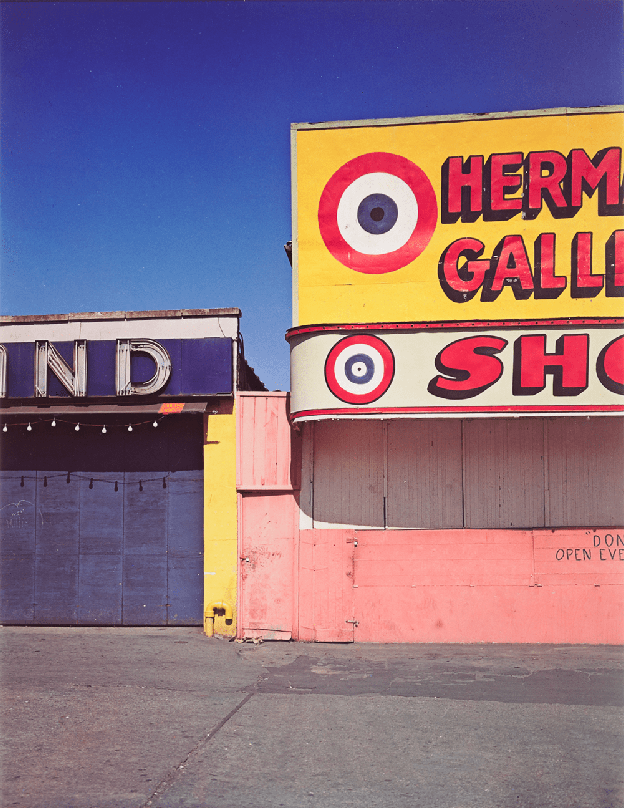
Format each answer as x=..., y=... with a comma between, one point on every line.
x=220, y=519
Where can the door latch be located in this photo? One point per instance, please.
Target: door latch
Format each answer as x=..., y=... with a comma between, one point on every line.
x=355, y=622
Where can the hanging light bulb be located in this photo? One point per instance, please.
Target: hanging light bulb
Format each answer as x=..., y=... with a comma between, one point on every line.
x=29, y=428
x=4, y=428
x=91, y=483
x=130, y=428
x=77, y=427
x=164, y=482
x=53, y=422
x=104, y=430
x=155, y=423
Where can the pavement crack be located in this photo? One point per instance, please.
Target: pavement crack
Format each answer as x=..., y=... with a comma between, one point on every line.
x=176, y=772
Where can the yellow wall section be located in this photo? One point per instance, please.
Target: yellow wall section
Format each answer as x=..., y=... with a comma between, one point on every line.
x=220, y=513
x=329, y=292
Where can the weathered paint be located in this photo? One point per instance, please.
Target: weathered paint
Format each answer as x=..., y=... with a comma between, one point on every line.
x=267, y=448
x=427, y=370
x=464, y=586
x=334, y=288
x=220, y=513
x=268, y=473
x=338, y=583
x=267, y=559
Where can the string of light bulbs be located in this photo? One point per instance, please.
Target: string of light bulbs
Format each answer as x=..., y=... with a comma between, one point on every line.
x=69, y=476
x=78, y=425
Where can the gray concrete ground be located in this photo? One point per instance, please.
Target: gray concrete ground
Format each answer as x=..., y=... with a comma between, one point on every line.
x=138, y=717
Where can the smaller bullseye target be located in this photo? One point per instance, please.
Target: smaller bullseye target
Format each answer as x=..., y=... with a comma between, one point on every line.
x=359, y=369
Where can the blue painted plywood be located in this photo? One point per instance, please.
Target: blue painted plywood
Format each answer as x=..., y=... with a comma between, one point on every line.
x=144, y=590
x=100, y=589
x=101, y=513
x=145, y=514
x=186, y=590
x=185, y=513
x=56, y=589
x=58, y=504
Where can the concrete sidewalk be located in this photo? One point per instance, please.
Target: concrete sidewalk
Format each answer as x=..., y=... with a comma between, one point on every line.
x=164, y=717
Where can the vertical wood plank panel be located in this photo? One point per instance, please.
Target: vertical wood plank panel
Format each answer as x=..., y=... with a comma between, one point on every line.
x=424, y=474
x=503, y=473
x=18, y=516
x=306, y=493
x=185, y=543
x=264, y=442
x=333, y=586
x=348, y=473
x=145, y=551
x=57, y=537
x=268, y=525
x=585, y=471
x=100, y=558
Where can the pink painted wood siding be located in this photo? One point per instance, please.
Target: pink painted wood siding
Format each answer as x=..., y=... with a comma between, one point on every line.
x=497, y=586
x=533, y=584
x=267, y=565
x=489, y=586
x=268, y=450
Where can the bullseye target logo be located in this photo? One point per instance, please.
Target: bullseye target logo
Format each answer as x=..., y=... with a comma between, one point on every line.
x=359, y=369
x=377, y=213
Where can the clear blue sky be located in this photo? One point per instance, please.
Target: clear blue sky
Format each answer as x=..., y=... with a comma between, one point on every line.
x=146, y=146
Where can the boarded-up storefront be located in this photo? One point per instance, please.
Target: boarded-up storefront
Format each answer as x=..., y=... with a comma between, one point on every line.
x=117, y=485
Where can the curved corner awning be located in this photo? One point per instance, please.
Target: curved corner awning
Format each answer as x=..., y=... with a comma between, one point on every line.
x=158, y=408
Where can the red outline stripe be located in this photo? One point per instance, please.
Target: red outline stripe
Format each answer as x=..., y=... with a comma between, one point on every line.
x=442, y=325
x=441, y=410
x=413, y=176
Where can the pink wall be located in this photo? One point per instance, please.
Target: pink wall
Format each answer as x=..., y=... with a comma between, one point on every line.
x=268, y=462
x=501, y=586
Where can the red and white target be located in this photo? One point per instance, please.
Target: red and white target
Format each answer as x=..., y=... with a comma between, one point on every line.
x=359, y=369
x=377, y=213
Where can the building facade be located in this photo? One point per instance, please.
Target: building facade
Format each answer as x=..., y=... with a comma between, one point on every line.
x=118, y=481
x=457, y=372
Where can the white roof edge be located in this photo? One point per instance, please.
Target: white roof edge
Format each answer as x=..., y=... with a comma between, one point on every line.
x=468, y=116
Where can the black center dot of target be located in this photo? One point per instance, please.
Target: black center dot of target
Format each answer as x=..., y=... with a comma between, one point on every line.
x=353, y=373
x=377, y=213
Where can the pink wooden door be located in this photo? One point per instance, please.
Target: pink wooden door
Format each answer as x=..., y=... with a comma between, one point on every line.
x=267, y=566
x=326, y=586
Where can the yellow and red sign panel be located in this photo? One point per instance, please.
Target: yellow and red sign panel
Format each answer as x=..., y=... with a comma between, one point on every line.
x=498, y=217
x=470, y=265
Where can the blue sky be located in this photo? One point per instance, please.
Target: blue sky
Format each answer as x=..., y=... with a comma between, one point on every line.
x=145, y=146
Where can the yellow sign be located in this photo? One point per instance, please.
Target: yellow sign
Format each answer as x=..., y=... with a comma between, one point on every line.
x=505, y=217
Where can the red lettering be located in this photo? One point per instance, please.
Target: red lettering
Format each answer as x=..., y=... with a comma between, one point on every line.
x=462, y=283
x=584, y=284
x=569, y=365
x=610, y=366
x=614, y=265
x=470, y=367
x=510, y=265
x=500, y=178
x=603, y=172
x=539, y=185
x=462, y=189
x=547, y=284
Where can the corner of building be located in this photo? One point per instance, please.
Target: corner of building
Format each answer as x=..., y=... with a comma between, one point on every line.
x=220, y=519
